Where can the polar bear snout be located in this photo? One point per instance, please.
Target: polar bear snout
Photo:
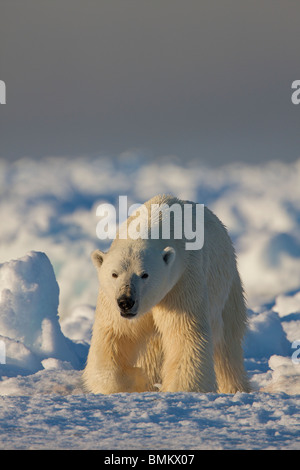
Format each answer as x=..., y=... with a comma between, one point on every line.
x=126, y=303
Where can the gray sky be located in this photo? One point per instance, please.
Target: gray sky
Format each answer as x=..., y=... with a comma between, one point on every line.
x=202, y=79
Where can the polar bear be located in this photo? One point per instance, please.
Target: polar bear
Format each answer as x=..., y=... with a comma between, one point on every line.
x=166, y=316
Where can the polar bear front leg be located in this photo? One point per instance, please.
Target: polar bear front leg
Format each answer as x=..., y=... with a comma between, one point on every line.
x=188, y=357
x=117, y=380
x=109, y=366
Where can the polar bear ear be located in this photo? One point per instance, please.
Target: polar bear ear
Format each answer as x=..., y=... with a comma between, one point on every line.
x=168, y=255
x=97, y=258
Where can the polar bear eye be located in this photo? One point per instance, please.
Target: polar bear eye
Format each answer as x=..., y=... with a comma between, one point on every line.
x=114, y=275
x=144, y=276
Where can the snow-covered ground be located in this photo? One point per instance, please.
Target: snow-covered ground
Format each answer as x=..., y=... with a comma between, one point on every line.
x=48, y=291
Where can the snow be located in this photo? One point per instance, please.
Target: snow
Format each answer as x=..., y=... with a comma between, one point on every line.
x=150, y=421
x=48, y=290
x=29, y=314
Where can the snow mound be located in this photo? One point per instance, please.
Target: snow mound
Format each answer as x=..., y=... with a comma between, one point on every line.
x=285, y=304
x=29, y=322
x=17, y=358
x=265, y=336
x=78, y=325
x=29, y=294
x=285, y=376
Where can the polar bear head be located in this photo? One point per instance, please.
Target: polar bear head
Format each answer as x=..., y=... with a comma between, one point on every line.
x=136, y=276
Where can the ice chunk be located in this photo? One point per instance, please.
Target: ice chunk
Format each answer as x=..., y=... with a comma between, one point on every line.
x=29, y=296
x=286, y=304
x=285, y=376
x=265, y=336
x=78, y=324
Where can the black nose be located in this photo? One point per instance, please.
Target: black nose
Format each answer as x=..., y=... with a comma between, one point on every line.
x=125, y=303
